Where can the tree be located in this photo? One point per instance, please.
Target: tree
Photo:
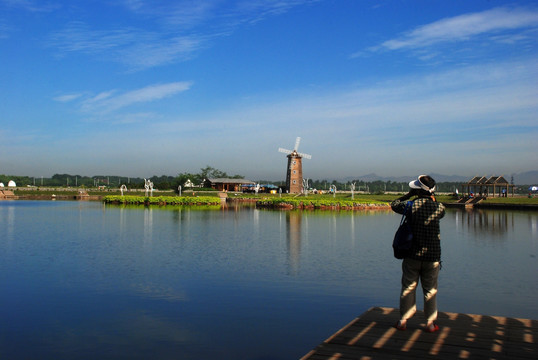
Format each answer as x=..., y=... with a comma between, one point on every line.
x=181, y=179
x=19, y=180
x=210, y=172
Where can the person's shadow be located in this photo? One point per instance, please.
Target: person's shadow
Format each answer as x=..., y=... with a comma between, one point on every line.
x=461, y=336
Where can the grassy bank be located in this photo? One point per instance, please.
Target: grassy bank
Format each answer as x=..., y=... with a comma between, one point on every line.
x=161, y=200
x=316, y=202
x=373, y=200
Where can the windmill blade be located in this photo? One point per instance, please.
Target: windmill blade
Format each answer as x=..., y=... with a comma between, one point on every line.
x=306, y=156
x=285, y=151
x=297, y=141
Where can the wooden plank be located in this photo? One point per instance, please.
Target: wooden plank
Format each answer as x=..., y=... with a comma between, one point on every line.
x=371, y=335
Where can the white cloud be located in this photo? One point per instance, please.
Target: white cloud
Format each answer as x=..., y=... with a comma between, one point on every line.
x=190, y=13
x=135, y=48
x=30, y=5
x=452, y=113
x=5, y=30
x=465, y=27
x=455, y=114
x=185, y=28
x=251, y=11
x=96, y=101
x=184, y=14
x=78, y=37
x=454, y=121
x=100, y=97
x=106, y=102
x=161, y=51
x=67, y=98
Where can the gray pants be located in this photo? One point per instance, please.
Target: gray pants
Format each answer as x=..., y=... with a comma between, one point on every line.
x=427, y=272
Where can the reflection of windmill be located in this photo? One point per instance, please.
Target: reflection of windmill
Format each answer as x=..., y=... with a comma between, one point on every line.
x=294, y=174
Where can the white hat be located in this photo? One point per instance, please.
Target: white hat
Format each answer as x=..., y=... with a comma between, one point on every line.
x=424, y=182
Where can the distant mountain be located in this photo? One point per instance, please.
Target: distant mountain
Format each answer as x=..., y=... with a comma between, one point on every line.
x=450, y=178
x=438, y=177
x=525, y=178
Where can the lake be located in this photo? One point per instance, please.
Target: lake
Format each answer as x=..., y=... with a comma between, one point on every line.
x=81, y=280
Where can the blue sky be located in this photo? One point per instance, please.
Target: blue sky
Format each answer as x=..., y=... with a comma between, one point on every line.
x=142, y=88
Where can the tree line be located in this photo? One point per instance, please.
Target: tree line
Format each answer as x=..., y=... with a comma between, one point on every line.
x=165, y=182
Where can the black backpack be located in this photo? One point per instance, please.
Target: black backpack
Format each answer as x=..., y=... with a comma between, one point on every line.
x=403, y=239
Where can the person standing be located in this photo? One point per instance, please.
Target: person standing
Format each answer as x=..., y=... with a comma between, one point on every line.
x=424, y=261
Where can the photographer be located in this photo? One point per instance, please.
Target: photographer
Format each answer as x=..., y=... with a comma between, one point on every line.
x=424, y=260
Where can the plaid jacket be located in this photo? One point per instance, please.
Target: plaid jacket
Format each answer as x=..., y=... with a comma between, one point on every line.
x=425, y=223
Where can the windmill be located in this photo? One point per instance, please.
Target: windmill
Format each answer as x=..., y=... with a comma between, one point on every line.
x=294, y=173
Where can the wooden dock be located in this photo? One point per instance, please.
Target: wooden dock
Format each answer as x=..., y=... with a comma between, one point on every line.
x=461, y=336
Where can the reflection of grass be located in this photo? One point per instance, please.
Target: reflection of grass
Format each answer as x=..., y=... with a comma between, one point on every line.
x=165, y=207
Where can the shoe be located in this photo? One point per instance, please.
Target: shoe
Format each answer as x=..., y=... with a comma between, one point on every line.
x=399, y=326
x=432, y=328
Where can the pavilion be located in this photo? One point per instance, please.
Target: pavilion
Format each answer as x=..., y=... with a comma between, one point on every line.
x=482, y=186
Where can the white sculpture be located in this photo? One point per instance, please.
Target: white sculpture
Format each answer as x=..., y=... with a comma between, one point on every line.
x=148, y=185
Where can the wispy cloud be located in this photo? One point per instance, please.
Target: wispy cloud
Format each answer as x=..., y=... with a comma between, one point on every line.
x=7, y=27
x=500, y=24
x=30, y=5
x=185, y=14
x=135, y=48
x=4, y=30
x=67, y=98
x=185, y=28
x=107, y=101
x=455, y=112
x=256, y=10
x=162, y=51
x=456, y=105
x=78, y=37
x=217, y=13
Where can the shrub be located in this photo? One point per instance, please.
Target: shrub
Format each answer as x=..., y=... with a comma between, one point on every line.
x=161, y=200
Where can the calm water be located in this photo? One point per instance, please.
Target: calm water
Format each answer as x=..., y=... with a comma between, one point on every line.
x=80, y=280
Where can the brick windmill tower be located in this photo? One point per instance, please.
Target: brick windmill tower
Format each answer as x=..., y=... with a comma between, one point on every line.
x=294, y=174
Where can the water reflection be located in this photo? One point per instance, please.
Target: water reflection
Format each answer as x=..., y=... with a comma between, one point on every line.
x=148, y=225
x=533, y=224
x=10, y=223
x=293, y=236
x=485, y=222
x=230, y=283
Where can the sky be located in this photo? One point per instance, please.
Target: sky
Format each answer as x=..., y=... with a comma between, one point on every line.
x=392, y=87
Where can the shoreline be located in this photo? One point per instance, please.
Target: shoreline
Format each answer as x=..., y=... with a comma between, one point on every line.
x=335, y=205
